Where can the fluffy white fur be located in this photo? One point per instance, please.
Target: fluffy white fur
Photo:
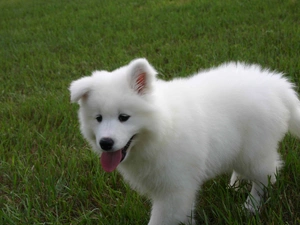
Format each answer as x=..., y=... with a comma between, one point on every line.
x=188, y=130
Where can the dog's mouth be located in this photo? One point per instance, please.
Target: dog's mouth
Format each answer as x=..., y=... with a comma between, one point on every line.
x=124, y=150
x=110, y=160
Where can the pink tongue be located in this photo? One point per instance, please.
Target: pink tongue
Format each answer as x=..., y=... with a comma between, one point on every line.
x=110, y=160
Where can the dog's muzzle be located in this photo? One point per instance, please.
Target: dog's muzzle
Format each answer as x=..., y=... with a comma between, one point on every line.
x=111, y=159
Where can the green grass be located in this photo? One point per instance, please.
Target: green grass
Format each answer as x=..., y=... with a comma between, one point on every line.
x=47, y=173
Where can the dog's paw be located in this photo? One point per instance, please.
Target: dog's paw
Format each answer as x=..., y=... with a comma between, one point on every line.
x=251, y=206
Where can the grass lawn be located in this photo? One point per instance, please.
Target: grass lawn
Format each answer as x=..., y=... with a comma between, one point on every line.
x=47, y=173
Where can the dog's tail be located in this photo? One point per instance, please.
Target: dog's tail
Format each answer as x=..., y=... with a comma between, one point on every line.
x=294, y=107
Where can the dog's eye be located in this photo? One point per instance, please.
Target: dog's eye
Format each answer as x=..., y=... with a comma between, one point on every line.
x=99, y=118
x=123, y=117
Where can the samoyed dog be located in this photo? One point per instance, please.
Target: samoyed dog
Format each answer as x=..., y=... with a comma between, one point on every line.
x=168, y=137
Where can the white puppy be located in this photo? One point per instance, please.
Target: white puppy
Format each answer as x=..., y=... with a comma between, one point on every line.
x=167, y=138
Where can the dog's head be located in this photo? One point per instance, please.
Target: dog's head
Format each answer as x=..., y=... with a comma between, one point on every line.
x=114, y=109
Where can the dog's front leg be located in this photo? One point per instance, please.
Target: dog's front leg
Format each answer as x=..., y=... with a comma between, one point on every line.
x=173, y=209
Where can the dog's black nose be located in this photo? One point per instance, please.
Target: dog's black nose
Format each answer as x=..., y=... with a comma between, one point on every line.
x=106, y=143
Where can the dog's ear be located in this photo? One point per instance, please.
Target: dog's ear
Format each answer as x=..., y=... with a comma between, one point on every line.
x=80, y=88
x=141, y=76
